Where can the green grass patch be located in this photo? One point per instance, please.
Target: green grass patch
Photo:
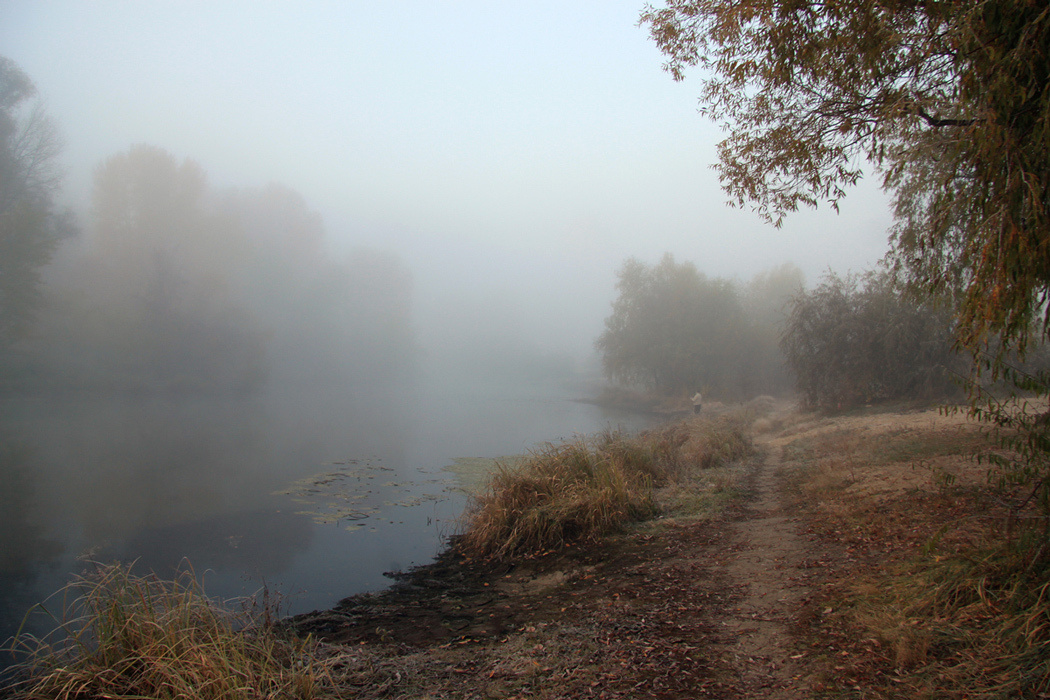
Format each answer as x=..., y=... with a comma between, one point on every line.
x=703, y=496
x=475, y=473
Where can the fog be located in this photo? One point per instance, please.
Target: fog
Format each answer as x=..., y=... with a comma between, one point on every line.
x=332, y=233
x=520, y=152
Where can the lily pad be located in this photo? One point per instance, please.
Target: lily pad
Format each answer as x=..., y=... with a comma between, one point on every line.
x=342, y=497
x=475, y=473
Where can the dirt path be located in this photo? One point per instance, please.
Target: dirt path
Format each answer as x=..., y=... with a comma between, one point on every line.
x=696, y=608
x=764, y=560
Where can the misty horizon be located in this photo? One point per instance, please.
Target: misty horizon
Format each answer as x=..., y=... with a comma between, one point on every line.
x=505, y=156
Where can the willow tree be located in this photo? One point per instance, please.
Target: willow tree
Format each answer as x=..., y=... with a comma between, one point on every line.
x=947, y=100
x=859, y=339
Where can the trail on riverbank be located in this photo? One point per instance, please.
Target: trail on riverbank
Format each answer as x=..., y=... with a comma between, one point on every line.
x=688, y=605
x=765, y=556
x=733, y=592
x=800, y=571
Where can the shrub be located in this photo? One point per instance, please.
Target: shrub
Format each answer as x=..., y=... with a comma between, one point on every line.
x=586, y=488
x=855, y=340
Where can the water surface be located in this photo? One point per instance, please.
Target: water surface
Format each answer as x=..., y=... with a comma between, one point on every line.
x=314, y=494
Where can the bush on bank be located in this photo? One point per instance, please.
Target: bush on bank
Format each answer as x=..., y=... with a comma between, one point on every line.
x=585, y=488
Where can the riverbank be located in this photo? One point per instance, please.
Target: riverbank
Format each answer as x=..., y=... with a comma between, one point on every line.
x=552, y=516
x=802, y=571
x=590, y=617
x=797, y=573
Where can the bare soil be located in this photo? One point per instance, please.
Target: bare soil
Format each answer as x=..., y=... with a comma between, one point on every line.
x=732, y=606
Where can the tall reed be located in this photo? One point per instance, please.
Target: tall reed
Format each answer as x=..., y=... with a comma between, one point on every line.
x=120, y=635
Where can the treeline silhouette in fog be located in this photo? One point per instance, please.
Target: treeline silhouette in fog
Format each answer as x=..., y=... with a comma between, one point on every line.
x=176, y=286
x=172, y=285
x=848, y=341
x=673, y=330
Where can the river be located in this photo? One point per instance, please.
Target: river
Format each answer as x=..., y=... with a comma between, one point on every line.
x=314, y=494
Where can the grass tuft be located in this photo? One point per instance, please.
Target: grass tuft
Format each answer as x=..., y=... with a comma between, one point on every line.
x=582, y=489
x=976, y=625
x=120, y=635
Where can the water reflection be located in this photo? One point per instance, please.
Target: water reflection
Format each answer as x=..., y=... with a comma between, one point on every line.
x=163, y=481
x=26, y=549
x=21, y=519
x=254, y=544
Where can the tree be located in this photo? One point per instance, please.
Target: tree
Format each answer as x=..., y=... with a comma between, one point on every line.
x=330, y=321
x=767, y=300
x=673, y=330
x=181, y=288
x=154, y=288
x=30, y=224
x=860, y=339
x=948, y=99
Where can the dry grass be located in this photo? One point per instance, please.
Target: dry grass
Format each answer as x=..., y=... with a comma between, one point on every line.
x=561, y=493
x=120, y=635
x=932, y=600
x=974, y=626
x=588, y=487
x=700, y=443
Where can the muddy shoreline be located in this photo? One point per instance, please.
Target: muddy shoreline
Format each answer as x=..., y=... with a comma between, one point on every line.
x=459, y=599
x=633, y=614
x=454, y=598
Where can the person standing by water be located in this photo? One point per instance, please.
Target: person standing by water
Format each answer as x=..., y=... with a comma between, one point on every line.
x=698, y=401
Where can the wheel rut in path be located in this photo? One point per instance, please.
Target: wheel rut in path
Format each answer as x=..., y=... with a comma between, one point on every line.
x=764, y=559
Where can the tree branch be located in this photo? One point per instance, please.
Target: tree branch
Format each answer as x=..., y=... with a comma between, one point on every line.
x=938, y=122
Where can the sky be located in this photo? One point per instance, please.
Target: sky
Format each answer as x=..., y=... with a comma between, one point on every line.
x=512, y=154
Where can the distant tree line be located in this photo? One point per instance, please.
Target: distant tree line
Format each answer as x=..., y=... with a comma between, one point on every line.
x=673, y=330
x=848, y=341
x=174, y=285
x=177, y=286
